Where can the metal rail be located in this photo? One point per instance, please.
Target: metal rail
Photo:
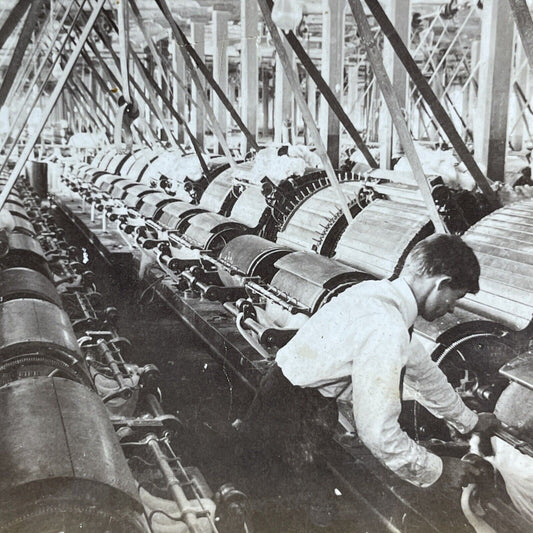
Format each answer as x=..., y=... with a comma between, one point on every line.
x=21, y=162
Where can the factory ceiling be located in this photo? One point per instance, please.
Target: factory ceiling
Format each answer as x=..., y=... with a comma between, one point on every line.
x=427, y=15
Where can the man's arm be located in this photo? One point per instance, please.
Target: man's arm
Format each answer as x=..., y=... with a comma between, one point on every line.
x=430, y=387
x=377, y=365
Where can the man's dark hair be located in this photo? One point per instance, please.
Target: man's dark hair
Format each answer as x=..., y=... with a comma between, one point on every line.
x=447, y=255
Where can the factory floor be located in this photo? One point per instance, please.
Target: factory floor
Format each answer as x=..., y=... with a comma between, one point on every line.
x=354, y=494
x=208, y=397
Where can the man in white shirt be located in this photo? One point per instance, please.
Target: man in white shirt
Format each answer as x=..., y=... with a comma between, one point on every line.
x=359, y=346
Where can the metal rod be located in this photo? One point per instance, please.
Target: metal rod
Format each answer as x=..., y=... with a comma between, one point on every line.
x=23, y=107
x=173, y=485
x=23, y=72
x=104, y=38
x=124, y=46
x=20, y=49
x=112, y=76
x=302, y=104
x=50, y=106
x=449, y=49
x=12, y=20
x=78, y=82
x=395, y=111
x=524, y=24
x=188, y=50
x=196, y=79
x=442, y=117
x=328, y=94
x=94, y=117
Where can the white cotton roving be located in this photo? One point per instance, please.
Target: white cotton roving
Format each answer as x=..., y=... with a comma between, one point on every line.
x=175, y=167
x=87, y=140
x=508, y=194
x=516, y=469
x=280, y=167
x=441, y=163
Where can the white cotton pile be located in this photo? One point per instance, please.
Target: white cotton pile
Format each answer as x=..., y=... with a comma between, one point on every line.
x=87, y=140
x=509, y=195
x=280, y=167
x=176, y=168
x=165, y=164
x=441, y=163
x=516, y=469
x=358, y=157
x=515, y=165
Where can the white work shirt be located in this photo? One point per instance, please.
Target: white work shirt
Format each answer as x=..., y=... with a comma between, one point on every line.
x=363, y=334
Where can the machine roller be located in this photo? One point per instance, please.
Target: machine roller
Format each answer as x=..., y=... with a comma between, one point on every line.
x=244, y=258
x=302, y=284
x=21, y=282
x=26, y=251
x=381, y=235
x=316, y=222
x=37, y=339
x=81, y=477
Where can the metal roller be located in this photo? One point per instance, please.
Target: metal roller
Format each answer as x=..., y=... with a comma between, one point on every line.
x=210, y=231
x=91, y=174
x=16, y=208
x=317, y=222
x=14, y=199
x=134, y=195
x=151, y=205
x=381, y=235
x=103, y=155
x=503, y=243
x=310, y=280
x=107, y=160
x=249, y=256
x=121, y=187
x=79, y=169
x=470, y=355
x=61, y=463
x=37, y=338
x=135, y=167
x=219, y=196
x=23, y=225
x=26, y=251
x=115, y=164
x=25, y=283
x=175, y=215
x=104, y=182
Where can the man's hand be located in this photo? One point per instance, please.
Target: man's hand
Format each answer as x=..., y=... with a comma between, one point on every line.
x=453, y=475
x=487, y=422
x=457, y=473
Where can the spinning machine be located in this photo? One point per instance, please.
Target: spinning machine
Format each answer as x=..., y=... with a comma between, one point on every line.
x=246, y=262
x=80, y=424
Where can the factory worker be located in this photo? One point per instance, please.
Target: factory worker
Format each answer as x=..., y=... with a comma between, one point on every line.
x=359, y=347
x=7, y=223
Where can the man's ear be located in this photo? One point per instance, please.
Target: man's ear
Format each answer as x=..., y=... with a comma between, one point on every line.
x=443, y=282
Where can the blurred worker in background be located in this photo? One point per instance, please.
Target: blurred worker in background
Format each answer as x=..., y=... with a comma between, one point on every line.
x=359, y=346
